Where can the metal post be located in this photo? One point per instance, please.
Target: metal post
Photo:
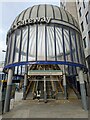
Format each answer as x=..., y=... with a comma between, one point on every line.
x=8, y=92
x=77, y=80
x=64, y=83
x=65, y=86
x=83, y=91
x=53, y=85
x=45, y=93
x=86, y=82
x=25, y=86
x=88, y=73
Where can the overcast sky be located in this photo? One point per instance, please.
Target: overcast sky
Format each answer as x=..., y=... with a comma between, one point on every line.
x=9, y=11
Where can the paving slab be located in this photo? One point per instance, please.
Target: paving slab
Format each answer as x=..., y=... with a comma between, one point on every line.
x=53, y=109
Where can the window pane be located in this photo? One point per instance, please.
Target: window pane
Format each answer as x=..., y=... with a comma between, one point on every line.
x=41, y=43
x=80, y=12
x=59, y=44
x=12, y=48
x=32, y=43
x=84, y=41
x=78, y=47
x=86, y=16
x=84, y=3
x=82, y=27
x=67, y=45
x=50, y=43
x=17, y=46
x=24, y=44
x=8, y=48
x=74, y=54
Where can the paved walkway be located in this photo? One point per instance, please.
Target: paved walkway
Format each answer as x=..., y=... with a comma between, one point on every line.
x=0, y=117
x=53, y=109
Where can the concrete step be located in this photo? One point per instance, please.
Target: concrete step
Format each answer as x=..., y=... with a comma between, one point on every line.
x=30, y=96
x=71, y=94
x=60, y=96
x=18, y=96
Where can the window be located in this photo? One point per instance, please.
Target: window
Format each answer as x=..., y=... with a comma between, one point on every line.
x=89, y=35
x=80, y=12
x=86, y=16
x=84, y=3
x=82, y=27
x=84, y=42
x=78, y=1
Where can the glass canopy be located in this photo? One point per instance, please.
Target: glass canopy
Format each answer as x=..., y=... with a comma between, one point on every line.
x=44, y=33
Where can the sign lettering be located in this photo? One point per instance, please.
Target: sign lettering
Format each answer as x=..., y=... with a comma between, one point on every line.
x=30, y=21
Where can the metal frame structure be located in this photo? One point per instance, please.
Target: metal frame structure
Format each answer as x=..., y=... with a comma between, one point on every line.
x=65, y=29
x=57, y=42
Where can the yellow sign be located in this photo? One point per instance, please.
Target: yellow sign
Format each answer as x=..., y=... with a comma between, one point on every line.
x=3, y=81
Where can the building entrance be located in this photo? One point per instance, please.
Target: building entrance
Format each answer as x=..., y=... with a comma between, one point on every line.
x=49, y=45
x=44, y=89
x=44, y=82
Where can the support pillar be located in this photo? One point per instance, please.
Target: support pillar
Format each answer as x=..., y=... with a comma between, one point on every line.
x=88, y=73
x=8, y=91
x=65, y=86
x=78, y=84
x=64, y=83
x=53, y=85
x=25, y=86
x=83, y=91
x=86, y=82
x=45, y=93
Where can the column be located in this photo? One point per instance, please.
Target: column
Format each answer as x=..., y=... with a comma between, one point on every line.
x=78, y=84
x=64, y=83
x=83, y=90
x=8, y=91
x=25, y=86
x=86, y=82
x=45, y=93
x=88, y=73
x=53, y=85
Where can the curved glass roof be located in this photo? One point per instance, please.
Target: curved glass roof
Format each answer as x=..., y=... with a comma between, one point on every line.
x=58, y=41
x=48, y=11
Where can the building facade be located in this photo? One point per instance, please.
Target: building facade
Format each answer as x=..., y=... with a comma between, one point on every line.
x=70, y=7
x=81, y=11
x=84, y=22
